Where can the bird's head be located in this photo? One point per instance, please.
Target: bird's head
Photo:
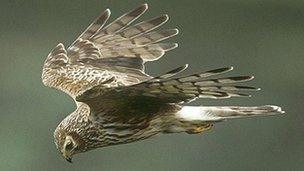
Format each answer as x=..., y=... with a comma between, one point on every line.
x=68, y=143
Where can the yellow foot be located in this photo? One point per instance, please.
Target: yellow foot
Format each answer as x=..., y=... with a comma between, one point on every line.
x=200, y=129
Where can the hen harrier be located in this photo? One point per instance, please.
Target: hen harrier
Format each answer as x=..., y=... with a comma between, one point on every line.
x=117, y=102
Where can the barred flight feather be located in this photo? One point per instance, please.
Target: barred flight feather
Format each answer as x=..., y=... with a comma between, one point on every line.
x=194, y=86
x=143, y=27
x=147, y=53
x=186, y=88
x=140, y=40
x=123, y=21
x=95, y=26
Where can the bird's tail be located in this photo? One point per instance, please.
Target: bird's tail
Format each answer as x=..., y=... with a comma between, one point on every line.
x=196, y=119
x=214, y=113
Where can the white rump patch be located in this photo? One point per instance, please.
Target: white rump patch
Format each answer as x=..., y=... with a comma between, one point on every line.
x=192, y=113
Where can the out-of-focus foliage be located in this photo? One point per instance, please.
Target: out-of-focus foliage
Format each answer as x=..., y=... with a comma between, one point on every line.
x=263, y=38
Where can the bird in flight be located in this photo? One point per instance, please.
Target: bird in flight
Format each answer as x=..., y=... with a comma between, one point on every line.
x=117, y=102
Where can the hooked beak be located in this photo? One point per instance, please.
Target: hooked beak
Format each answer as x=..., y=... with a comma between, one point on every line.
x=69, y=159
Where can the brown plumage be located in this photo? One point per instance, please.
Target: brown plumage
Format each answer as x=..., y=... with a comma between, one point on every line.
x=117, y=102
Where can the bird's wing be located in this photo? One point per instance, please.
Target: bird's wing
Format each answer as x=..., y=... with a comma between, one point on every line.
x=112, y=54
x=121, y=45
x=167, y=89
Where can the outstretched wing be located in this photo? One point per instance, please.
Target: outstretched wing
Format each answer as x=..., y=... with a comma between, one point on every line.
x=108, y=55
x=166, y=89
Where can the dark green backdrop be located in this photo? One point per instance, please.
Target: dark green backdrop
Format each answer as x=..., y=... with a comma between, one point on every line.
x=260, y=37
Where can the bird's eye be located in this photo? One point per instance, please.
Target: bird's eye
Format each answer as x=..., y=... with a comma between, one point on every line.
x=69, y=146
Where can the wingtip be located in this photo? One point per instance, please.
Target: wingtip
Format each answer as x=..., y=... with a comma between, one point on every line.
x=282, y=111
x=244, y=78
x=276, y=109
x=279, y=109
x=166, y=16
x=107, y=11
x=60, y=45
x=169, y=46
x=144, y=6
x=175, y=45
x=186, y=66
x=227, y=69
x=138, y=11
x=176, y=31
x=183, y=68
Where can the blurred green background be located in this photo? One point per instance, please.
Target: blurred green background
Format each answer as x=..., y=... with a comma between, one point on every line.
x=260, y=37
